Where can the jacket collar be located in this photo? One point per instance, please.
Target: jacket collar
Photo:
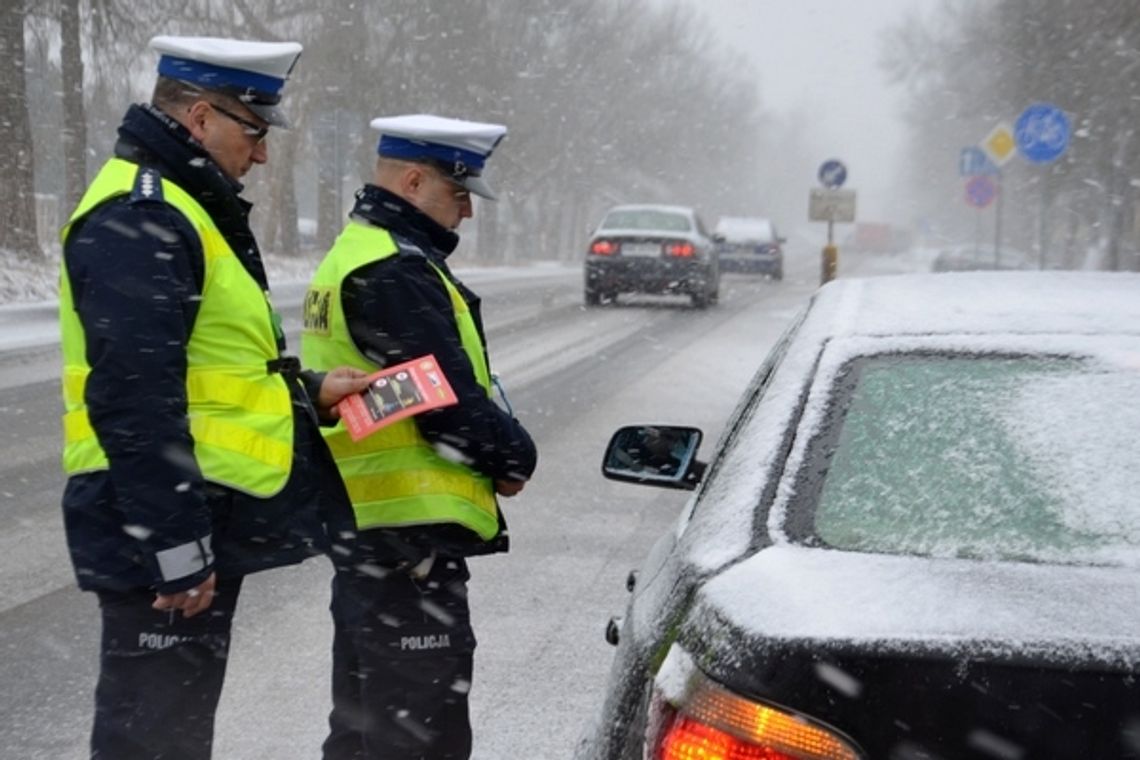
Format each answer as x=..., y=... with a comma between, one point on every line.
x=383, y=208
x=150, y=137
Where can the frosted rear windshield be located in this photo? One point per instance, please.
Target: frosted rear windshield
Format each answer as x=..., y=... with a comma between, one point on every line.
x=1014, y=457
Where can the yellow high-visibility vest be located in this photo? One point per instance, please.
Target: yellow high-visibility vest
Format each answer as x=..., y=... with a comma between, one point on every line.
x=240, y=413
x=394, y=476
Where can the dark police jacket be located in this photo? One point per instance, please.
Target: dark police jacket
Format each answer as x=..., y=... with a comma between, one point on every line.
x=136, y=269
x=397, y=309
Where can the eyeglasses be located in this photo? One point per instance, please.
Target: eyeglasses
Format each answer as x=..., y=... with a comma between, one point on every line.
x=462, y=194
x=253, y=130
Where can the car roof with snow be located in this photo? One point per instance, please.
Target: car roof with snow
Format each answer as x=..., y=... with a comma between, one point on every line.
x=740, y=229
x=963, y=312
x=652, y=207
x=646, y=217
x=986, y=302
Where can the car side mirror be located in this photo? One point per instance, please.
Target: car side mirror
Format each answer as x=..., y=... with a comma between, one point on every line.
x=655, y=455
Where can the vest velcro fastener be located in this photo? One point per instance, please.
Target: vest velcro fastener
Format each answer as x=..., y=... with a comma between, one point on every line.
x=289, y=366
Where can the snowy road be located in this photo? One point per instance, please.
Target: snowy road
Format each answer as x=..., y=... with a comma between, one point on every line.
x=573, y=375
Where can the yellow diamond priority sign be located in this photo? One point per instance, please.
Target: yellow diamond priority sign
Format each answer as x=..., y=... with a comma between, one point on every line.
x=999, y=144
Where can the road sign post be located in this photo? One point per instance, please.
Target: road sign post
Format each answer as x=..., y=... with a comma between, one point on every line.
x=980, y=193
x=998, y=146
x=831, y=204
x=1042, y=134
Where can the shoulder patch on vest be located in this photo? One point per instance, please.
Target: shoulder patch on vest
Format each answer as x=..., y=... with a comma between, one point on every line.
x=407, y=247
x=148, y=185
x=317, y=305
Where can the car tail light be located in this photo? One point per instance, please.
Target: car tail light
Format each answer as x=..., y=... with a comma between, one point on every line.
x=681, y=250
x=604, y=248
x=703, y=720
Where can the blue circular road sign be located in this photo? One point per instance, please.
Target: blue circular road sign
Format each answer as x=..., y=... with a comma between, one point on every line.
x=1042, y=133
x=832, y=174
x=980, y=191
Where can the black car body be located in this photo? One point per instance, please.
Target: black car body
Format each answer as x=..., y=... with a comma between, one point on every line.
x=918, y=537
x=652, y=249
x=752, y=245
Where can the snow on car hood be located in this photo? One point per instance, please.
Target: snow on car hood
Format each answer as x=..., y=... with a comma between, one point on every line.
x=909, y=603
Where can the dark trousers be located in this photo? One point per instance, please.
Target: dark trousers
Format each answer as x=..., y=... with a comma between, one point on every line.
x=160, y=677
x=402, y=660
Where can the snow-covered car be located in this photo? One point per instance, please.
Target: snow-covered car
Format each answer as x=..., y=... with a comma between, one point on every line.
x=750, y=244
x=650, y=248
x=918, y=536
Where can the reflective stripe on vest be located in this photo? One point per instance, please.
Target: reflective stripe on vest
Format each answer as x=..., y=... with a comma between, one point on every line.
x=394, y=477
x=240, y=415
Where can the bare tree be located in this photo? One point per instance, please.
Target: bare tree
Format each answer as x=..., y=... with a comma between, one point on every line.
x=17, y=192
x=74, y=113
x=606, y=100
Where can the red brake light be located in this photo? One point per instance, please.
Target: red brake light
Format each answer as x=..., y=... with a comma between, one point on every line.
x=682, y=250
x=604, y=248
x=687, y=739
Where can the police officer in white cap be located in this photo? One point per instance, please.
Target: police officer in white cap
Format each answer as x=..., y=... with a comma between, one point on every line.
x=424, y=490
x=191, y=446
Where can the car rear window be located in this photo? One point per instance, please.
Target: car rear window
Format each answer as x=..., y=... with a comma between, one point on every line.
x=646, y=220
x=1012, y=457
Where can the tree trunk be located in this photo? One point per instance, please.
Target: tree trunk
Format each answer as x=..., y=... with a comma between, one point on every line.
x=285, y=198
x=74, y=112
x=330, y=156
x=17, y=192
x=489, y=247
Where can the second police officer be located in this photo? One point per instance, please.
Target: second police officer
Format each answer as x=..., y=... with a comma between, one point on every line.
x=423, y=489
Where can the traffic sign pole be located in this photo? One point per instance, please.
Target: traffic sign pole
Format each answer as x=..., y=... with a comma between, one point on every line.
x=997, y=218
x=1042, y=133
x=832, y=175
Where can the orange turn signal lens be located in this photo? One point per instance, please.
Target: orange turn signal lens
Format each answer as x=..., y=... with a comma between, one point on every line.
x=712, y=723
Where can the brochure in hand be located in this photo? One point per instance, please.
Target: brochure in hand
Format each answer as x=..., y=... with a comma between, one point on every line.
x=396, y=392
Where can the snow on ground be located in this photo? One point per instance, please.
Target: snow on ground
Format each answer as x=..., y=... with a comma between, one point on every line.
x=23, y=281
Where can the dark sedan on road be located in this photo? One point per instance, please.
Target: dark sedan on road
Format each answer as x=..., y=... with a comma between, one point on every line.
x=750, y=244
x=652, y=249
x=918, y=537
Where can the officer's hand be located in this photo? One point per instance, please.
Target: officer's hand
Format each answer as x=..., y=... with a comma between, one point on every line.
x=338, y=383
x=191, y=602
x=509, y=487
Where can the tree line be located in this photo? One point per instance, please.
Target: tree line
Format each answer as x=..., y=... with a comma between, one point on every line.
x=607, y=101
x=968, y=66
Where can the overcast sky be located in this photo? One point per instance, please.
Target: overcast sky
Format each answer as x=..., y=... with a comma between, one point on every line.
x=821, y=56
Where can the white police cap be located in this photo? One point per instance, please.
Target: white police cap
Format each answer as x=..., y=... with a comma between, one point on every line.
x=458, y=148
x=252, y=72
